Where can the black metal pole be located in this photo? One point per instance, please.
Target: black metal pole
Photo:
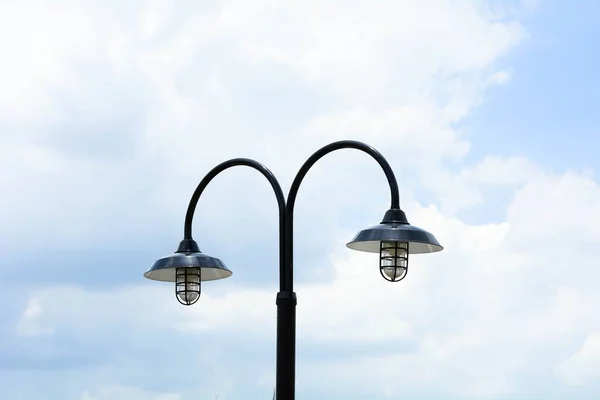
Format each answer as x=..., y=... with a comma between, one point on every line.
x=285, y=376
x=286, y=299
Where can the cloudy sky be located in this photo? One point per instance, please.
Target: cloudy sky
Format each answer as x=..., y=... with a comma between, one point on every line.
x=112, y=111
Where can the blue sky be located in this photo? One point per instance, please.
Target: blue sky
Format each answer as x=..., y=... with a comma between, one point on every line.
x=111, y=113
x=554, y=82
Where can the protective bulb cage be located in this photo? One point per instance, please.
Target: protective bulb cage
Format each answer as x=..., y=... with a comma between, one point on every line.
x=187, y=285
x=393, y=260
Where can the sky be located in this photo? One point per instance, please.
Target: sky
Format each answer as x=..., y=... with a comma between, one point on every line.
x=112, y=112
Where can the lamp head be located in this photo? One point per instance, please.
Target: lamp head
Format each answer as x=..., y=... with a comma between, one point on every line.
x=187, y=267
x=393, y=239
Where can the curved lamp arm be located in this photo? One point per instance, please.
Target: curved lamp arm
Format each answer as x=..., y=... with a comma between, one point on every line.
x=291, y=200
x=189, y=216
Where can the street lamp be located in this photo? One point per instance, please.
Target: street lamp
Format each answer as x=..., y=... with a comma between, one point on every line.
x=394, y=239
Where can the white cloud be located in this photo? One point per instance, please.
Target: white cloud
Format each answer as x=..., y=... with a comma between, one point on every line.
x=74, y=309
x=459, y=191
x=583, y=366
x=501, y=77
x=574, y=200
x=126, y=393
x=29, y=324
x=468, y=321
x=356, y=47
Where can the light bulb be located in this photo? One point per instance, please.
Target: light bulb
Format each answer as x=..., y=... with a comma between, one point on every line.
x=393, y=260
x=188, y=297
x=394, y=274
x=187, y=285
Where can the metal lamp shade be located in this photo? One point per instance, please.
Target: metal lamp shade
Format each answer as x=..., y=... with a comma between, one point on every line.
x=164, y=269
x=419, y=240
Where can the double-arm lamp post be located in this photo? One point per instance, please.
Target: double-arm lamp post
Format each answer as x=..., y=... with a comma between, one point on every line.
x=394, y=238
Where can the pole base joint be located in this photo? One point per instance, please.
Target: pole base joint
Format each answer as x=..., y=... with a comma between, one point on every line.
x=286, y=298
